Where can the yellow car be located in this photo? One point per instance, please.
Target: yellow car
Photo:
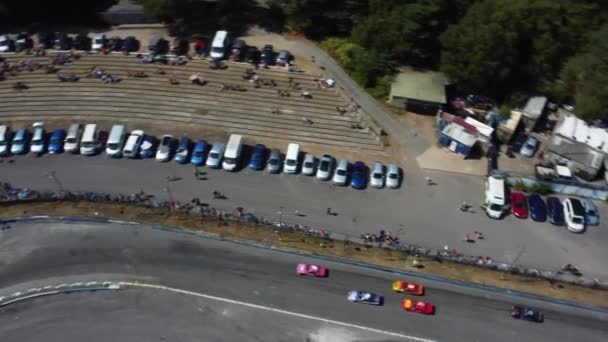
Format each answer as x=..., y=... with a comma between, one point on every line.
x=406, y=286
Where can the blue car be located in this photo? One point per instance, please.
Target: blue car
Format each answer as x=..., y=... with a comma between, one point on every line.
x=20, y=141
x=538, y=209
x=555, y=211
x=591, y=216
x=358, y=296
x=199, y=154
x=359, y=175
x=257, y=157
x=56, y=141
x=182, y=155
x=148, y=146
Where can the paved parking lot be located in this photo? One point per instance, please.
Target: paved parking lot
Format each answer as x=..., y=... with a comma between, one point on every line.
x=416, y=213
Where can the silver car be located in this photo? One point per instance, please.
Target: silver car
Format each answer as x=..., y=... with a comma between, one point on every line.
x=326, y=167
x=308, y=166
x=341, y=174
x=393, y=176
x=529, y=147
x=274, y=161
x=376, y=177
x=214, y=160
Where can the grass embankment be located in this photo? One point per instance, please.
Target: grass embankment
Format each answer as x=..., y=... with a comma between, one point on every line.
x=352, y=251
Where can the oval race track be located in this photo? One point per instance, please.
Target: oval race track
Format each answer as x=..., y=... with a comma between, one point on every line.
x=239, y=293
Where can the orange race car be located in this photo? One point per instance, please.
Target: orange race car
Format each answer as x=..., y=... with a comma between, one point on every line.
x=419, y=306
x=406, y=286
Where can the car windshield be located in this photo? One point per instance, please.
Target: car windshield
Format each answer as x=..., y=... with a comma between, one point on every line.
x=55, y=141
x=392, y=176
x=214, y=155
x=324, y=165
x=256, y=157
x=18, y=141
x=290, y=162
x=3, y=143
x=217, y=50
x=273, y=161
x=230, y=160
x=87, y=144
x=495, y=207
x=578, y=220
x=520, y=204
x=113, y=146
x=71, y=140
x=341, y=172
x=309, y=164
x=377, y=175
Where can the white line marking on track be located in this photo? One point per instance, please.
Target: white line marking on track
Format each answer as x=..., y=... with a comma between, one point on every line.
x=285, y=312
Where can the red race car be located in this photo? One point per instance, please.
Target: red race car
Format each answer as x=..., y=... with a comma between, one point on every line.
x=519, y=204
x=311, y=270
x=418, y=306
x=406, y=286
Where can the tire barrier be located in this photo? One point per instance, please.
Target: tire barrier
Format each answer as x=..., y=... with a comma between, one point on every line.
x=567, y=274
x=49, y=290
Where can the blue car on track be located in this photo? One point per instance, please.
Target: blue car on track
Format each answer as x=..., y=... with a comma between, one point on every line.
x=555, y=211
x=182, y=154
x=199, y=154
x=257, y=157
x=538, y=209
x=359, y=175
x=56, y=141
x=358, y=296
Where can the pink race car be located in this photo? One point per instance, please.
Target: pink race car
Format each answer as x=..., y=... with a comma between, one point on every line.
x=311, y=270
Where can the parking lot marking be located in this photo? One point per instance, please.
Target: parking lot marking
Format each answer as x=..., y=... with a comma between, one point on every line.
x=284, y=312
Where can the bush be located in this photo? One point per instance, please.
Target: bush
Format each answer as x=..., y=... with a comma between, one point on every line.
x=538, y=187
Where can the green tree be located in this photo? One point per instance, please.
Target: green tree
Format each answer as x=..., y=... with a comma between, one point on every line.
x=63, y=12
x=586, y=75
x=509, y=45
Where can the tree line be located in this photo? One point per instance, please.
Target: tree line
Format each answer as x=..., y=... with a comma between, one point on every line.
x=507, y=49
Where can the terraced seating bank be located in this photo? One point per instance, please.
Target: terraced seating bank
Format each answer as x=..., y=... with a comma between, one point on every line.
x=275, y=109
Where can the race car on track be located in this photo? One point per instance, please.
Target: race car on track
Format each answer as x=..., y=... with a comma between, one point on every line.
x=311, y=270
x=419, y=306
x=358, y=296
x=527, y=314
x=406, y=286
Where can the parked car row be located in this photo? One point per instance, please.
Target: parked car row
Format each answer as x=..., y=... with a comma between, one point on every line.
x=572, y=212
x=118, y=143
x=64, y=41
x=224, y=47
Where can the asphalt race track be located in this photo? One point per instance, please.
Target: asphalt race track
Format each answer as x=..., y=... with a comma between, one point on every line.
x=260, y=297
x=416, y=213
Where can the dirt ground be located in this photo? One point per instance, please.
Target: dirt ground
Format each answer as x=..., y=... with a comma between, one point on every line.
x=352, y=251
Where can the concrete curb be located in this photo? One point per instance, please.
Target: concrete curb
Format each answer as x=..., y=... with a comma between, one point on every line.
x=32, y=293
x=462, y=284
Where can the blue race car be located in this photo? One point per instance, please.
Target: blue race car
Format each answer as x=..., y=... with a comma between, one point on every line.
x=555, y=211
x=257, y=157
x=538, y=209
x=183, y=150
x=364, y=297
x=56, y=142
x=359, y=175
x=199, y=154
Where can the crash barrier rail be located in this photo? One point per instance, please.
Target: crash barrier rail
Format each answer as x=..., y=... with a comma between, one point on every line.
x=49, y=290
x=567, y=274
x=9, y=194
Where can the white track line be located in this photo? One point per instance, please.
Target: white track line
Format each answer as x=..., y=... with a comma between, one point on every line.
x=290, y=313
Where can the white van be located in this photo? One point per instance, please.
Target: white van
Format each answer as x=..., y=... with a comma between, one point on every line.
x=495, y=201
x=214, y=158
x=72, y=139
x=89, y=144
x=218, y=46
x=116, y=141
x=232, y=156
x=292, y=158
x=4, y=139
x=131, y=148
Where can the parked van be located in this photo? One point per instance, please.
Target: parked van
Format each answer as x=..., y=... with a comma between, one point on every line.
x=219, y=44
x=232, y=156
x=131, y=148
x=89, y=144
x=495, y=200
x=214, y=160
x=72, y=139
x=5, y=137
x=292, y=158
x=116, y=141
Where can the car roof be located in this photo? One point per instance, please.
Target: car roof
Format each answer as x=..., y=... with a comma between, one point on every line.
x=377, y=166
x=577, y=207
x=59, y=131
x=309, y=156
x=343, y=163
x=275, y=152
x=393, y=168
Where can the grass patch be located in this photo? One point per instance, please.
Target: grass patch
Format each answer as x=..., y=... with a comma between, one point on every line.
x=352, y=251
